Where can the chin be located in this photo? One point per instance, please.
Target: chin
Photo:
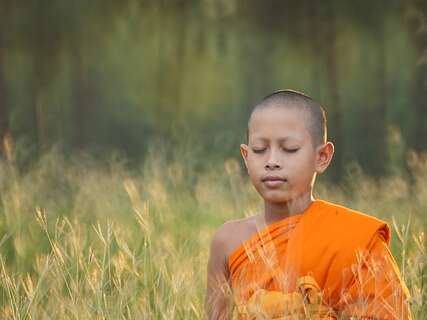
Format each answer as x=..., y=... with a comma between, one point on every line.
x=276, y=197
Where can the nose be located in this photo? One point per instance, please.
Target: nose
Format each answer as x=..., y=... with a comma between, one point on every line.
x=272, y=162
x=272, y=166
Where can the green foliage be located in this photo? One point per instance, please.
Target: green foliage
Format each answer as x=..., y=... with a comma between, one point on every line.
x=104, y=76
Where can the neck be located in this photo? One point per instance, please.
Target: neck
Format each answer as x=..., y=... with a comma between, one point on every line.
x=277, y=211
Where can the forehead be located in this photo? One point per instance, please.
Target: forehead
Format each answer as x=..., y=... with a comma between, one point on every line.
x=278, y=122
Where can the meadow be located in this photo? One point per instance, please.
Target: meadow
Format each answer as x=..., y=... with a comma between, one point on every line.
x=84, y=239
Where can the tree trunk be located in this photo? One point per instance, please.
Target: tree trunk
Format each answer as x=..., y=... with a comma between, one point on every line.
x=380, y=123
x=331, y=62
x=162, y=117
x=80, y=105
x=415, y=15
x=176, y=82
x=4, y=103
x=420, y=104
x=419, y=134
x=313, y=27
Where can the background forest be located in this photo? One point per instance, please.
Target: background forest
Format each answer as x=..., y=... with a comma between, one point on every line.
x=121, y=123
x=118, y=75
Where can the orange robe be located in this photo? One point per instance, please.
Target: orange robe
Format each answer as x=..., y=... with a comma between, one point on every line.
x=345, y=251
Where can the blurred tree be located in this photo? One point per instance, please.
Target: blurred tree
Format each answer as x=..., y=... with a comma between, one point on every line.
x=415, y=17
x=379, y=129
x=313, y=25
x=269, y=35
x=371, y=22
x=329, y=18
x=171, y=19
x=54, y=35
x=112, y=75
x=45, y=37
x=84, y=33
x=321, y=34
x=5, y=13
x=38, y=37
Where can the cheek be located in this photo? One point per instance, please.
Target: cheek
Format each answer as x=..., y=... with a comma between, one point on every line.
x=302, y=165
x=253, y=166
x=253, y=174
x=251, y=170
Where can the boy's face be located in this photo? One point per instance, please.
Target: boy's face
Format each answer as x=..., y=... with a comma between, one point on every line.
x=280, y=157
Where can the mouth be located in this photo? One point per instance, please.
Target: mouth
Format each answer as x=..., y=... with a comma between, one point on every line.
x=273, y=181
x=273, y=178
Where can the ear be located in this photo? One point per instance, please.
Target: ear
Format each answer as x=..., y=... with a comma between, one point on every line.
x=324, y=154
x=244, y=149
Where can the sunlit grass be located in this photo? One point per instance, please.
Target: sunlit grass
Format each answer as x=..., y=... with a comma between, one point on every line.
x=85, y=240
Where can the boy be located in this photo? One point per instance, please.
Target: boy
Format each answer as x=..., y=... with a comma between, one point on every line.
x=299, y=258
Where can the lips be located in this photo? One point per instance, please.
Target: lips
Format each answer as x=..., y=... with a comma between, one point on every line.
x=273, y=178
x=273, y=181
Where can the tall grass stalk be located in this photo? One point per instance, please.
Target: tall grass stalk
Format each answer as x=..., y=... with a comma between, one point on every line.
x=85, y=240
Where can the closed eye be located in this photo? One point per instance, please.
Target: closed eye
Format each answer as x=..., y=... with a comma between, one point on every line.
x=291, y=150
x=258, y=150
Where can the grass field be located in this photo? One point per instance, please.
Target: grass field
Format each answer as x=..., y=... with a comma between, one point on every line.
x=84, y=240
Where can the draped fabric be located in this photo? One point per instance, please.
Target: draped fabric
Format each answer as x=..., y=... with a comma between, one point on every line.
x=345, y=251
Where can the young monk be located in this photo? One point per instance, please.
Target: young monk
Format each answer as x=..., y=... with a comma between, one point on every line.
x=301, y=258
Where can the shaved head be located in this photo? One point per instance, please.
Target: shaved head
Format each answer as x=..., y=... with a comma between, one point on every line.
x=315, y=120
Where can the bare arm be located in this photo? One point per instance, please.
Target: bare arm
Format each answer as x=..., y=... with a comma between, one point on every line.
x=218, y=302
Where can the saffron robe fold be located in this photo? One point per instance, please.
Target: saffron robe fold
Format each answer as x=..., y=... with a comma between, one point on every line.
x=344, y=250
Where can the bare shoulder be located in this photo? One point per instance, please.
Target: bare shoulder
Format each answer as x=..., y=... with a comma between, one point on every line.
x=228, y=236
x=232, y=234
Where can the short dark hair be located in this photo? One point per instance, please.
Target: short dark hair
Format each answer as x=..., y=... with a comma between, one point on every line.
x=295, y=99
